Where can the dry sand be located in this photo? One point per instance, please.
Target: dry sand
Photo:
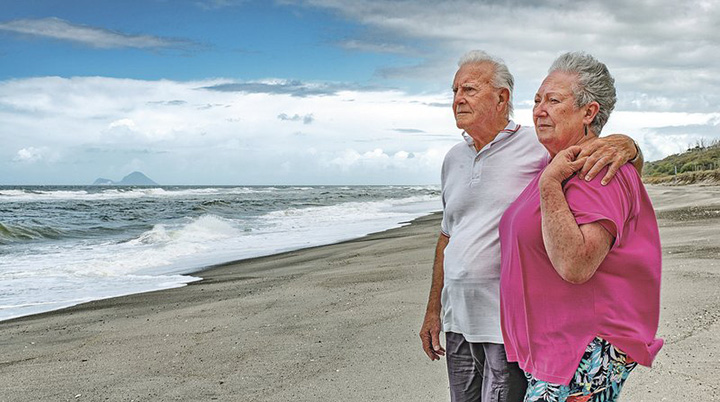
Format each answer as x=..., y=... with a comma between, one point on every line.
x=688, y=366
x=333, y=323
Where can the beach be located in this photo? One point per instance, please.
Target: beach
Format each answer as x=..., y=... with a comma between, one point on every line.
x=334, y=323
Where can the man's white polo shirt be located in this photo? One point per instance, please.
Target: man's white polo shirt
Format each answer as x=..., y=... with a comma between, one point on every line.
x=477, y=187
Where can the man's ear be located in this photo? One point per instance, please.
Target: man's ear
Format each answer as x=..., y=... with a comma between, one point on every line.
x=503, y=96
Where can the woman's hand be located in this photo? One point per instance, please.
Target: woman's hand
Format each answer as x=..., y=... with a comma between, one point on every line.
x=575, y=251
x=564, y=165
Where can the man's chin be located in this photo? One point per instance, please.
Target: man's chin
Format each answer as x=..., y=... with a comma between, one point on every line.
x=461, y=123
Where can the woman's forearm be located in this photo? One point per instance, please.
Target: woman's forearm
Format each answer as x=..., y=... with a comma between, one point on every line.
x=575, y=251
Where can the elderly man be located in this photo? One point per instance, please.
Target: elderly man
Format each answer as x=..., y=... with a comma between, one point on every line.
x=481, y=177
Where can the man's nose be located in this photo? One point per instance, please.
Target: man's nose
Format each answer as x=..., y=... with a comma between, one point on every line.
x=539, y=110
x=458, y=98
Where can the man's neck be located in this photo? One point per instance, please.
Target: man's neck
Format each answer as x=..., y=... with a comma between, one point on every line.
x=486, y=135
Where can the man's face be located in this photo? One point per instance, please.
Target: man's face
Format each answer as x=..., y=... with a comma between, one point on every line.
x=475, y=102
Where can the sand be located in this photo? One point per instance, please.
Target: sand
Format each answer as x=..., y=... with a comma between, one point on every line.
x=688, y=366
x=333, y=323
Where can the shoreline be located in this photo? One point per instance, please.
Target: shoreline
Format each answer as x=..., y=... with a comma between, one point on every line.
x=318, y=313
x=192, y=275
x=200, y=273
x=334, y=322
x=64, y=246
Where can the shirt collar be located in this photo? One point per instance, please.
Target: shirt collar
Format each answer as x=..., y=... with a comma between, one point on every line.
x=509, y=130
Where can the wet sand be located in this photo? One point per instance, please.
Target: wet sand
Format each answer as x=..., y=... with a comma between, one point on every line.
x=333, y=323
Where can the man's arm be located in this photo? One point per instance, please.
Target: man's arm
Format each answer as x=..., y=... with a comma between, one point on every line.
x=614, y=150
x=430, y=330
x=638, y=161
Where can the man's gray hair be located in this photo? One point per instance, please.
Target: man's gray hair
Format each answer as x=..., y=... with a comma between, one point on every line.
x=502, y=77
x=594, y=84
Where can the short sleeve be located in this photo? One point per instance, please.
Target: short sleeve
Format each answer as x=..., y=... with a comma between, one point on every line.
x=612, y=205
x=444, y=226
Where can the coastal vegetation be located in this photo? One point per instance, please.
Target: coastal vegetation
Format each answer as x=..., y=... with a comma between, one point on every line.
x=699, y=164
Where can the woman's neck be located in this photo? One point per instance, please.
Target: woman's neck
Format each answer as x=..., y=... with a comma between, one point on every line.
x=590, y=137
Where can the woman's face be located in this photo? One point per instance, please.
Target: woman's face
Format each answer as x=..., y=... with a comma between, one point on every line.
x=558, y=122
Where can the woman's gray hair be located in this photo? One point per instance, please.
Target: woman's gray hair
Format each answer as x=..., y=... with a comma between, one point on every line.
x=502, y=77
x=594, y=84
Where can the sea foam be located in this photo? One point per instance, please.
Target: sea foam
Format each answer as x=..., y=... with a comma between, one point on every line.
x=113, y=242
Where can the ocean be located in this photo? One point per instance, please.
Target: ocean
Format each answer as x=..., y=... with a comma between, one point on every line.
x=65, y=245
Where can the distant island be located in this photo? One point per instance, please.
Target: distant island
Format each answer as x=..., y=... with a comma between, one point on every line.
x=133, y=179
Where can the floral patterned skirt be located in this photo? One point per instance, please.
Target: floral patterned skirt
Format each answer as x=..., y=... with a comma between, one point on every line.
x=602, y=371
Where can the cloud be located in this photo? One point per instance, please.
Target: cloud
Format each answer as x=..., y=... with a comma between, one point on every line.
x=288, y=87
x=128, y=151
x=444, y=105
x=123, y=123
x=176, y=102
x=101, y=125
x=31, y=155
x=660, y=134
x=665, y=60
x=89, y=127
x=126, y=131
x=666, y=140
x=380, y=160
x=373, y=47
x=306, y=119
x=59, y=29
x=708, y=130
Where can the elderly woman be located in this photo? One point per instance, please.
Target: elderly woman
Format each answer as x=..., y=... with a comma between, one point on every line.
x=580, y=282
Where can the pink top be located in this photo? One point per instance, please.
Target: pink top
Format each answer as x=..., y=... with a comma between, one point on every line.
x=546, y=321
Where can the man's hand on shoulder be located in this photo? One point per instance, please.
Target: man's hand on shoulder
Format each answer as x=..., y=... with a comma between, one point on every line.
x=613, y=151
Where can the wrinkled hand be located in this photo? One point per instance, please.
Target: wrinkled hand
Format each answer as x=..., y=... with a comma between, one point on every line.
x=614, y=150
x=564, y=164
x=430, y=336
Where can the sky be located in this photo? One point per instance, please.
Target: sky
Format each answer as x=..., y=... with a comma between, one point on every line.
x=316, y=92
